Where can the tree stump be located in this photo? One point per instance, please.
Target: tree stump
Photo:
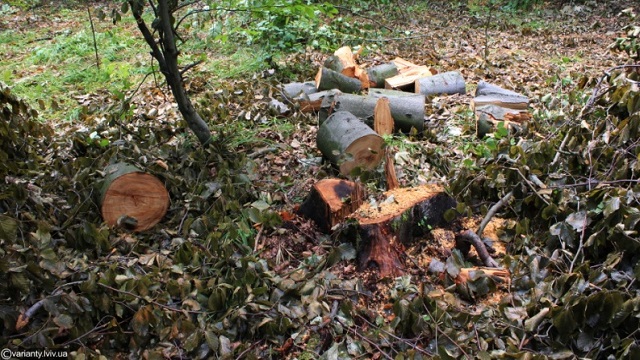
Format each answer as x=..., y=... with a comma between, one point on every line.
x=349, y=143
x=331, y=201
x=132, y=198
x=385, y=228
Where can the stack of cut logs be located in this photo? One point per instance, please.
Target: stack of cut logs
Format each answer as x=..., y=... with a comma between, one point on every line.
x=351, y=126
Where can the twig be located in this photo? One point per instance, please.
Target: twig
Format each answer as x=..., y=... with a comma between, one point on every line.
x=562, y=144
x=437, y=328
x=190, y=66
x=494, y=209
x=95, y=43
x=481, y=248
x=595, y=95
x=405, y=341
x=257, y=241
x=364, y=17
x=242, y=354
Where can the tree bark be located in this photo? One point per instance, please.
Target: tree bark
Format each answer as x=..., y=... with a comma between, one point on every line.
x=167, y=58
x=331, y=201
x=450, y=82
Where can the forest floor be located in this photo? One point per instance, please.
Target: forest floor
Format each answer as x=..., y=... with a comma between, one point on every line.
x=553, y=55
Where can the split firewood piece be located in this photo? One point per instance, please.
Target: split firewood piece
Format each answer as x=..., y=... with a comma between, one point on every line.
x=131, y=198
x=406, y=80
x=349, y=143
x=390, y=171
x=450, y=82
x=489, y=94
x=407, y=112
x=382, y=119
x=344, y=62
x=499, y=275
x=378, y=74
x=403, y=65
x=327, y=79
x=293, y=90
x=312, y=102
x=331, y=201
x=385, y=227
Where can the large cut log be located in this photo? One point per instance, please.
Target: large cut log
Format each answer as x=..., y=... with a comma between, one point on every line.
x=132, y=198
x=407, y=112
x=344, y=62
x=293, y=90
x=389, y=93
x=406, y=80
x=327, y=79
x=384, y=228
x=489, y=94
x=312, y=102
x=378, y=74
x=349, y=143
x=450, y=82
x=331, y=201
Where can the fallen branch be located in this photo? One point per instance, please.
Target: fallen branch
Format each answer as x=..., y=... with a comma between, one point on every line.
x=494, y=209
x=480, y=247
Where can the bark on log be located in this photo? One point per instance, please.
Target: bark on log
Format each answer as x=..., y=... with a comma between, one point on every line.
x=313, y=102
x=331, y=201
x=488, y=94
x=488, y=116
x=389, y=93
x=327, y=79
x=348, y=142
x=382, y=119
x=378, y=74
x=406, y=80
x=292, y=91
x=407, y=112
x=128, y=193
x=384, y=228
x=450, y=82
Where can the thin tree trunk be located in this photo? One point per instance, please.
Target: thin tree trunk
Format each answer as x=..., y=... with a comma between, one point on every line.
x=168, y=61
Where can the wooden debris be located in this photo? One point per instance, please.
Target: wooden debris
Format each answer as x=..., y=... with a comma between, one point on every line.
x=349, y=143
x=390, y=171
x=406, y=80
x=378, y=74
x=312, y=102
x=403, y=65
x=344, y=62
x=130, y=196
x=450, y=82
x=331, y=201
x=293, y=90
x=389, y=93
x=327, y=79
x=407, y=112
x=499, y=275
x=382, y=119
x=494, y=104
x=384, y=227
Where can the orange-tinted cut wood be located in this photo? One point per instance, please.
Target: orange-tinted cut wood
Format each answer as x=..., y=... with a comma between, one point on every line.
x=135, y=194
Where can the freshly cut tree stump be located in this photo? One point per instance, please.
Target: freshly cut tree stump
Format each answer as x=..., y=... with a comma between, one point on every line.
x=383, y=229
x=407, y=112
x=331, y=201
x=349, y=143
x=378, y=74
x=328, y=79
x=450, y=82
x=132, y=198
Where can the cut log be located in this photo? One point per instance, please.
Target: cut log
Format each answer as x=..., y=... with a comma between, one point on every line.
x=406, y=80
x=312, y=102
x=389, y=93
x=130, y=194
x=488, y=94
x=450, y=82
x=378, y=74
x=327, y=79
x=331, y=201
x=293, y=90
x=407, y=112
x=344, y=62
x=349, y=143
x=384, y=228
x=326, y=106
x=382, y=119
